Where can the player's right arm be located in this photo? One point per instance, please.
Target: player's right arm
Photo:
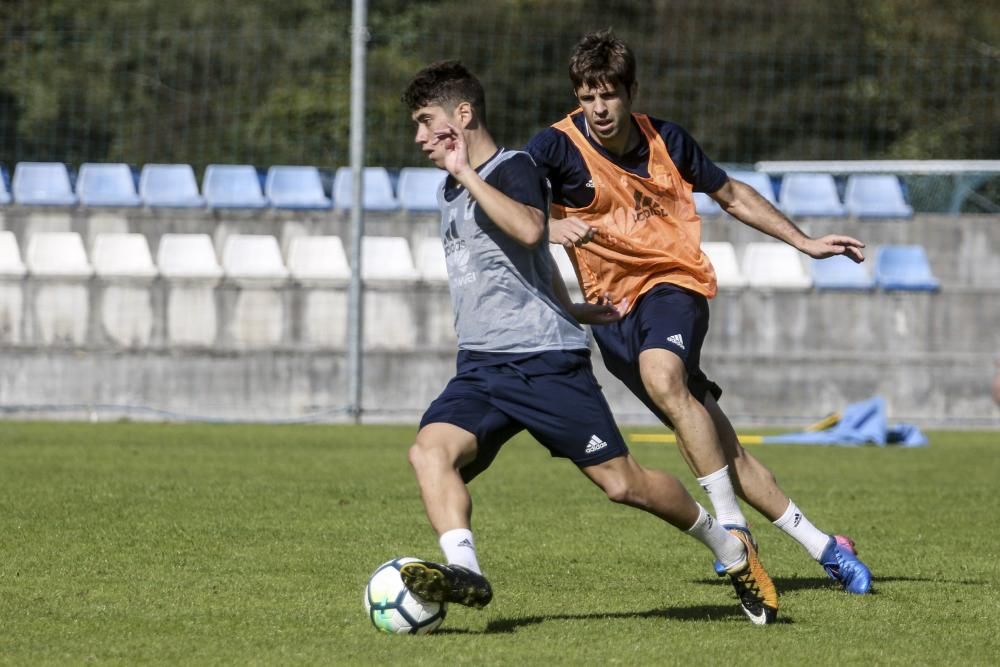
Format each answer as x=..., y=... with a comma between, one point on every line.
x=524, y=223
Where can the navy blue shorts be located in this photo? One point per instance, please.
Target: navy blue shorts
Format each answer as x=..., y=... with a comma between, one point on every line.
x=666, y=317
x=553, y=395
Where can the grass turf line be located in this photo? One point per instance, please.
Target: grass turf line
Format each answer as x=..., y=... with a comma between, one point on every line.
x=191, y=544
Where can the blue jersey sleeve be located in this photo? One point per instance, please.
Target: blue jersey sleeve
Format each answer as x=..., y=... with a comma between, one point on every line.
x=520, y=179
x=694, y=166
x=561, y=163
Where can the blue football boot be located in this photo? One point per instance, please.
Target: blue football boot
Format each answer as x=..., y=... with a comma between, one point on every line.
x=840, y=560
x=721, y=571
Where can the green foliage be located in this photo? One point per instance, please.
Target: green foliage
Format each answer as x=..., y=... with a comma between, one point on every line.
x=191, y=544
x=268, y=81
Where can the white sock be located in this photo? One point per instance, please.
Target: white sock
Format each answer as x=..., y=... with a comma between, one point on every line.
x=720, y=491
x=728, y=549
x=795, y=523
x=460, y=549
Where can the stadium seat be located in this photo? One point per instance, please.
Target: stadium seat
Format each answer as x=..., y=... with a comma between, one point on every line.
x=232, y=186
x=774, y=266
x=62, y=297
x=840, y=273
x=4, y=191
x=875, y=196
x=565, y=265
x=705, y=205
x=904, y=267
x=106, y=185
x=122, y=256
x=387, y=258
x=432, y=265
x=378, y=194
x=57, y=254
x=252, y=257
x=295, y=188
x=11, y=265
x=253, y=261
x=418, y=187
x=758, y=180
x=318, y=259
x=722, y=254
x=126, y=268
x=187, y=257
x=188, y=263
x=810, y=195
x=319, y=264
x=42, y=184
x=169, y=186
x=12, y=270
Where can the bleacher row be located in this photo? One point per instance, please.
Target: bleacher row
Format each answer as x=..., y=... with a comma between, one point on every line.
x=321, y=259
x=413, y=189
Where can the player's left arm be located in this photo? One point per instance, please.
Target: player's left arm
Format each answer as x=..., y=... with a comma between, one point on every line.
x=747, y=205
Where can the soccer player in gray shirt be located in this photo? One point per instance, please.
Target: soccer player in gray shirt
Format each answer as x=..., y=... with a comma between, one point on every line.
x=523, y=360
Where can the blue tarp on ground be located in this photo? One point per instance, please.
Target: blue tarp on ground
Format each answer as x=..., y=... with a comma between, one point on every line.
x=863, y=423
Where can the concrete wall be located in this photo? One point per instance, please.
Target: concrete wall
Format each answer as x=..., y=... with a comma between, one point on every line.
x=168, y=350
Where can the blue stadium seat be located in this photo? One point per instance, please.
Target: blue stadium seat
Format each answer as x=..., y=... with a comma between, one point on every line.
x=106, y=185
x=295, y=187
x=418, y=187
x=810, y=195
x=232, y=186
x=378, y=195
x=42, y=184
x=759, y=181
x=4, y=191
x=169, y=186
x=840, y=273
x=705, y=205
x=875, y=196
x=904, y=267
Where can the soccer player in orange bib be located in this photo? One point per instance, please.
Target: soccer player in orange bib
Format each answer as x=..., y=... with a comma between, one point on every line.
x=622, y=205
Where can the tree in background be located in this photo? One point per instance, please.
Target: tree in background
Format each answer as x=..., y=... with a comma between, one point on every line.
x=268, y=81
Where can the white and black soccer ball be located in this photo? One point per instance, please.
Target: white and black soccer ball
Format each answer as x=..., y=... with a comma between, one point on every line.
x=394, y=609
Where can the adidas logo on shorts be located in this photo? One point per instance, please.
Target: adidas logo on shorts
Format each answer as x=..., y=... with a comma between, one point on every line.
x=594, y=445
x=677, y=340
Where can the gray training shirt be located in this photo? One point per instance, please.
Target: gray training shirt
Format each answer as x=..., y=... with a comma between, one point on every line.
x=501, y=290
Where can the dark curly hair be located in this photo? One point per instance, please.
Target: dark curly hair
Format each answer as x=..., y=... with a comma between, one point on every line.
x=601, y=58
x=446, y=83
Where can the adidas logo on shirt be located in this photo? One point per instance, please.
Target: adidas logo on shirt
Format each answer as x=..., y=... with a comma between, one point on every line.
x=594, y=445
x=677, y=340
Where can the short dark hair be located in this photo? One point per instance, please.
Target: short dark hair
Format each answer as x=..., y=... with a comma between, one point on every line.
x=446, y=83
x=601, y=58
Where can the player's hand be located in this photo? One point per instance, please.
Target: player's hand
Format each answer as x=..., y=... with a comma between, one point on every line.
x=570, y=232
x=605, y=311
x=456, y=159
x=834, y=244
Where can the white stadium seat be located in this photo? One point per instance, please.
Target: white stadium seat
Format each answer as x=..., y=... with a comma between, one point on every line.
x=722, y=254
x=775, y=266
x=387, y=258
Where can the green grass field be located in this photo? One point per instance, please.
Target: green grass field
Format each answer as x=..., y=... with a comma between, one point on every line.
x=191, y=544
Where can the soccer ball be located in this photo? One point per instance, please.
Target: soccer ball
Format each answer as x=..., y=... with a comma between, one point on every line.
x=394, y=609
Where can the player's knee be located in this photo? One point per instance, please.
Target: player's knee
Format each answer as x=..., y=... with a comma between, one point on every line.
x=618, y=491
x=669, y=391
x=424, y=455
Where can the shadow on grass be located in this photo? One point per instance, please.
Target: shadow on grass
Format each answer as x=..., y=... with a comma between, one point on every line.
x=790, y=584
x=694, y=613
